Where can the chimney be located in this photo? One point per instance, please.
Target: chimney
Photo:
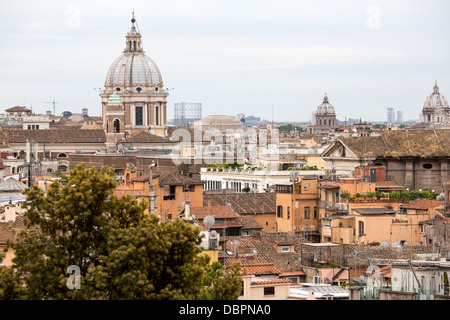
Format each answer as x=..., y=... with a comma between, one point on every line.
x=10, y=213
x=187, y=211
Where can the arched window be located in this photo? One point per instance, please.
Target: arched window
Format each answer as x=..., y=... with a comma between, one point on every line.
x=116, y=125
x=62, y=155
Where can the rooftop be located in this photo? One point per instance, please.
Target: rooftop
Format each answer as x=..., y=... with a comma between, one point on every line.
x=397, y=143
x=423, y=204
x=244, y=203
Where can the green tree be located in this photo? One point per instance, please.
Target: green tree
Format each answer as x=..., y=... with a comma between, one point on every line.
x=221, y=283
x=120, y=252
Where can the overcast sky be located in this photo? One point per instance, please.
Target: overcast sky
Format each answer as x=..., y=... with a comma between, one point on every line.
x=232, y=56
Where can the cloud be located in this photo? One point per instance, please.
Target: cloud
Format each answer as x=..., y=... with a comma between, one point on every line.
x=38, y=25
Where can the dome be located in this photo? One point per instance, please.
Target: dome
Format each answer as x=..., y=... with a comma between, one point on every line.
x=133, y=70
x=220, y=122
x=12, y=185
x=436, y=100
x=325, y=108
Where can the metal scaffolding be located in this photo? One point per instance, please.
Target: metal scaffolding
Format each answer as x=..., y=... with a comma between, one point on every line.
x=187, y=113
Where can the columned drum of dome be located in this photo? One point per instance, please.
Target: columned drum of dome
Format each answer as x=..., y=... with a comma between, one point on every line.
x=137, y=81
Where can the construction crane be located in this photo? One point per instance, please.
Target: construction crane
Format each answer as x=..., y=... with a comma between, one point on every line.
x=54, y=103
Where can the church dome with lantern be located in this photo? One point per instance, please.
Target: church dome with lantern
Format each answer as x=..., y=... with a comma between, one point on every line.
x=133, y=70
x=436, y=99
x=325, y=107
x=435, y=109
x=134, y=98
x=325, y=116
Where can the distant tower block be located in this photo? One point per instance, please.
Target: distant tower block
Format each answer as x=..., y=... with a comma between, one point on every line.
x=187, y=113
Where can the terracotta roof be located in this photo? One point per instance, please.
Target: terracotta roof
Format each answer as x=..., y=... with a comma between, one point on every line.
x=218, y=212
x=261, y=269
x=144, y=177
x=244, y=203
x=293, y=273
x=266, y=248
x=8, y=229
x=249, y=222
x=145, y=137
x=276, y=281
x=175, y=178
x=421, y=143
x=55, y=136
x=423, y=204
x=17, y=109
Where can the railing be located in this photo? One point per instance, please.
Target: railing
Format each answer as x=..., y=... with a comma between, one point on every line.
x=169, y=197
x=365, y=178
x=339, y=207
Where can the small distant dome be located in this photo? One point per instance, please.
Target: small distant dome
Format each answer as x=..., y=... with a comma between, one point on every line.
x=436, y=99
x=12, y=185
x=325, y=107
x=114, y=99
x=220, y=122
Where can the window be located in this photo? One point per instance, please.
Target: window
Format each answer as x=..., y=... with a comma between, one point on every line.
x=190, y=188
x=307, y=213
x=269, y=291
x=169, y=193
x=361, y=228
x=315, y=212
x=139, y=116
x=427, y=166
x=116, y=125
x=242, y=289
x=279, y=212
x=285, y=249
x=157, y=115
x=288, y=212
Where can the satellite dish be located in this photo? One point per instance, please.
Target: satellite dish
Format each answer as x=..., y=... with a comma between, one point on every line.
x=395, y=245
x=406, y=243
x=213, y=233
x=384, y=244
x=209, y=221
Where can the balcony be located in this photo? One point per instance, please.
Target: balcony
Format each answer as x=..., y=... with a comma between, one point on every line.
x=336, y=206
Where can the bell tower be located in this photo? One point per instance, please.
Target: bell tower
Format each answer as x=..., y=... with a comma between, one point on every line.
x=114, y=121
